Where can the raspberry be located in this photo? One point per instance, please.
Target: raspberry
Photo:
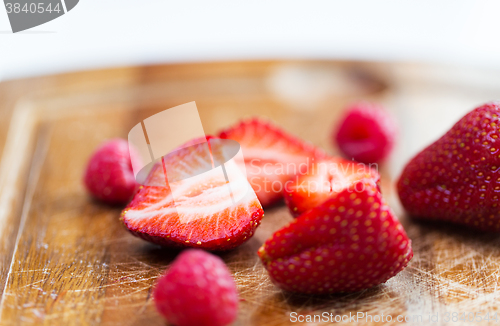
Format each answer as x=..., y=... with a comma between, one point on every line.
x=109, y=176
x=366, y=134
x=197, y=290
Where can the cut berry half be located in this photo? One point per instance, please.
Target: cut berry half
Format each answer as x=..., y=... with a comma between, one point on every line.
x=191, y=200
x=366, y=133
x=271, y=156
x=323, y=180
x=350, y=242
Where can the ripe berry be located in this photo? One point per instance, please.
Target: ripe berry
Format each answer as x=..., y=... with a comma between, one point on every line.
x=197, y=290
x=457, y=178
x=350, y=242
x=109, y=176
x=366, y=134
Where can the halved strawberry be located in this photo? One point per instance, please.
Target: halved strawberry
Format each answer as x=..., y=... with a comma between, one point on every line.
x=196, y=206
x=271, y=156
x=323, y=180
x=349, y=243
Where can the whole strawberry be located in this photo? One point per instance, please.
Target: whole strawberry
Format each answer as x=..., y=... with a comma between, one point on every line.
x=197, y=290
x=457, y=178
x=350, y=242
x=109, y=176
x=366, y=133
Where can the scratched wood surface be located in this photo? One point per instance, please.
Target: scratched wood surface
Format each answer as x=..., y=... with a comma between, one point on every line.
x=66, y=260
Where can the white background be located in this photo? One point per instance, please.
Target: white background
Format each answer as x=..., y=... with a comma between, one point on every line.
x=101, y=33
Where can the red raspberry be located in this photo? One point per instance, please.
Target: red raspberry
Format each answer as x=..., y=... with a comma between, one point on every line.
x=197, y=290
x=366, y=134
x=109, y=176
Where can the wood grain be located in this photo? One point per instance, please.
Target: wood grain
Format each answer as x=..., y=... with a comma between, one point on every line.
x=66, y=260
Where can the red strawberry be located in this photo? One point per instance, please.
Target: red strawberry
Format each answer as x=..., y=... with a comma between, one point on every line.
x=271, y=156
x=457, y=178
x=195, y=209
x=109, y=176
x=366, y=134
x=350, y=242
x=197, y=290
x=323, y=180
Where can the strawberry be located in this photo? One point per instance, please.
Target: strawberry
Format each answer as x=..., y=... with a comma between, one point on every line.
x=109, y=176
x=197, y=207
x=457, y=178
x=350, y=242
x=323, y=180
x=271, y=156
x=197, y=290
x=366, y=133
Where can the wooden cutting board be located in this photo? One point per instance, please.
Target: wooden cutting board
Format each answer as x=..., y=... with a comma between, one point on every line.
x=67, y=260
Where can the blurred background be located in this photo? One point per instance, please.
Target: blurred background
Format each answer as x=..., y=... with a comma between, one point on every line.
x=116, y=33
